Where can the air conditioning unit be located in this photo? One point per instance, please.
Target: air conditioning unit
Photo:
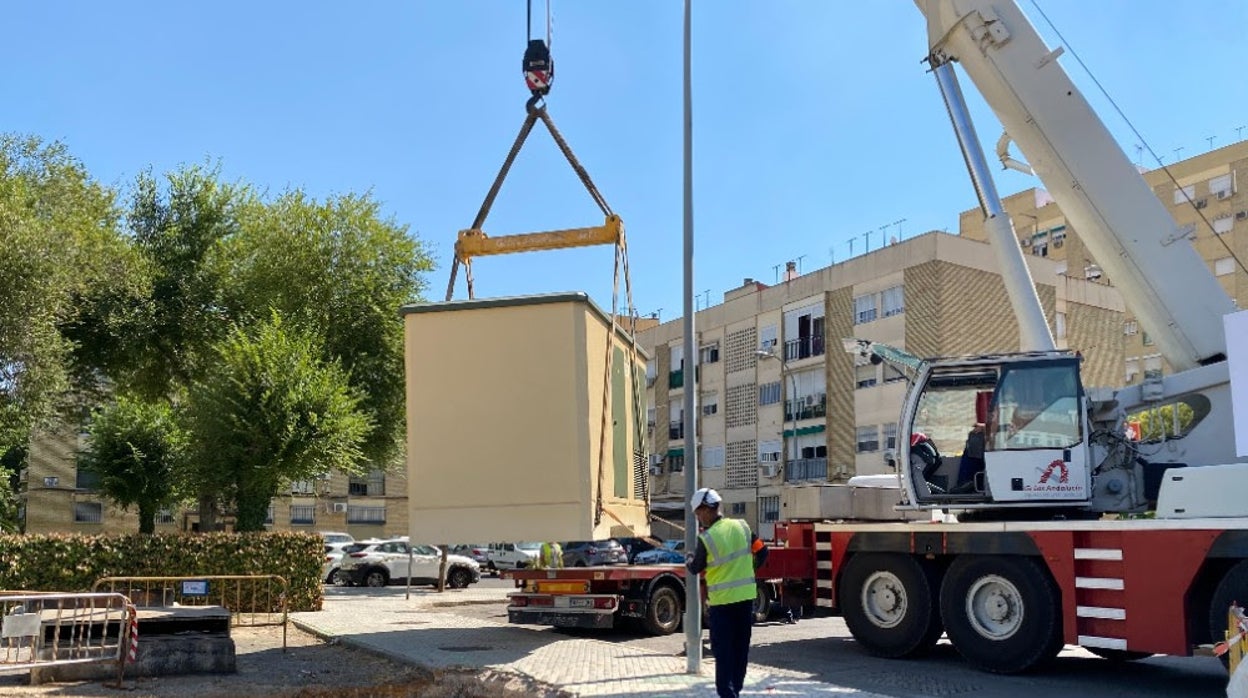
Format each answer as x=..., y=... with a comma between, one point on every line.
x=1224, y=194
x=340, y=508
x=656, y=459
x=656, y=470
x=770, y=469
x=1201, y=203
x=1241, y=215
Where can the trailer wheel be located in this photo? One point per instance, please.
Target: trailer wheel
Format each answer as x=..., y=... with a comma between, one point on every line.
x=1230, y=590
x=664, y=609
x=762, y=603
x=889, y=604
x=1002, y=613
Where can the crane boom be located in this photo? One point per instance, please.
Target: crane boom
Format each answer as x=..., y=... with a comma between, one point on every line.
x=1124, y=225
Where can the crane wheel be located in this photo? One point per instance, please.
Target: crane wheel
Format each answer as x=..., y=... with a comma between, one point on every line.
x=889, y=604
x=1002, y=613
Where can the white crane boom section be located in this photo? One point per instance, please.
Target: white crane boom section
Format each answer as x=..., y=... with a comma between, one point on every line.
x=1126, y=228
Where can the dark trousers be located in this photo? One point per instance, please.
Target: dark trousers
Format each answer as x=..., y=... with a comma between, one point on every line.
x=731, y=627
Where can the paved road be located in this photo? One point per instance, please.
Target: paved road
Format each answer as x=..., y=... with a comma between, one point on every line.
x=823, y=648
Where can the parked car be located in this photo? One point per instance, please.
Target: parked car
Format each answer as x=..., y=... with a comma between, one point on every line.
x=477, y=551
x=378, y=563
x=330, y=568
x=337, y=537
x=635, y=546
x=672, y=553
x=588, y=553
x=512, y=556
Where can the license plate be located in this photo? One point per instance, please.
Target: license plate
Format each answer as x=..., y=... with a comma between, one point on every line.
x=582, y=603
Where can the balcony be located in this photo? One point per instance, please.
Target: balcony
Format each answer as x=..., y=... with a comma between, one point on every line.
x=803, y=347
x=676, y=430
x=676, y=379
x=804, y=469
x=808, y=407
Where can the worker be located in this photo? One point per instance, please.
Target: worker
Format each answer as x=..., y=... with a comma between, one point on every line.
x=924, y=456
x=729, y=553
x=550, y=556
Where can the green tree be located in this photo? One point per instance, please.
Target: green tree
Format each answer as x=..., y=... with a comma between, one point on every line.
x=136, y=448
x=59, y=233
x=11, y=463
x=339, y=270
x=270, y=410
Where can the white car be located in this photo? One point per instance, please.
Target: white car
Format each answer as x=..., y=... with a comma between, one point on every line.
x=330, y=568
x=512, y=556
x=377, y=563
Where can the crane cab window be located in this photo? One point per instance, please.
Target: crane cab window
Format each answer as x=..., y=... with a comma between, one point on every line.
x=1036, y=405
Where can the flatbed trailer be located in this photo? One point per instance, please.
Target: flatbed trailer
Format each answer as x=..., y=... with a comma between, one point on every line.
x=1009, y=595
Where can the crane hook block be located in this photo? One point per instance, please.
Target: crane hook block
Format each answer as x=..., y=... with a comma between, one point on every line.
x=539, y=69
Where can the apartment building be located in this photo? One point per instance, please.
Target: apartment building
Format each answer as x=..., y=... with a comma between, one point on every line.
x=782, y=403
x=1203, y=195
x=56, y=497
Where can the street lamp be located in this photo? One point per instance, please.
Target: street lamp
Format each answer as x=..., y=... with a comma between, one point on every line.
x=784, y=451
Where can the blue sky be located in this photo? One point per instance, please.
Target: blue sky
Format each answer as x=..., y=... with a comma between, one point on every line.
x=814, y=121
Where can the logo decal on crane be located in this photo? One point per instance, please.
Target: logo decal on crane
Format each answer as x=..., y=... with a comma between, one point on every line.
x=1048, y=472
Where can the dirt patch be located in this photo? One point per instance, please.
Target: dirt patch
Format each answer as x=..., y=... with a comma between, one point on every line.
x=310, y=668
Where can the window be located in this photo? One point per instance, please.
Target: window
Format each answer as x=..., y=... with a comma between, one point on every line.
x=769, y=509
x=1223, y=224
x=164, y=516
x=677, y=358
x=1130, y=327
x=737, y=509
x=1222, y=186
x=268, y=515
x=865, y=375
x=768, y=451
x=1148, y=341
x=767, y=337
x=1183, y=195
x=302, y=487
x=676, y=423
x=1060, y=322
x=1224, y=266
x=868, y=439
x=88, y=512
x=302, y=514
x=366, y=514
x=892, y=302
x=87, y=480
x=709, y=354
x=1132, y=370
x=652, y=372
x=710, y=404
x=864, y=309
x=890, y=435
x=1058, y=235
x=1040, y=249
x=712, y=457
x=769, y=393
x=1036, y=406
x=1062, y=268
x=650, y=417
x=803, y=332
x=675, y=463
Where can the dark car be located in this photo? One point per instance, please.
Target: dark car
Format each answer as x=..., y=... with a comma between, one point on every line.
x=588, y=553
x=635, y=546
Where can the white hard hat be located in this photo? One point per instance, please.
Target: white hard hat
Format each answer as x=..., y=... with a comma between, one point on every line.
x=705, y=497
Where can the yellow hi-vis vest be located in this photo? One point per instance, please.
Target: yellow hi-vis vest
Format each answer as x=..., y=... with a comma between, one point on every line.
x=729, y=562
x=550, y=557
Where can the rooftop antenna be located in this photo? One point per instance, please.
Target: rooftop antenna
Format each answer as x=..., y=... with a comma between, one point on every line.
x=866, y=242
x=898, y=224
x=851, y=247
x=831, y=255
x=776, y=268
x=1210, y=139
x=1139, y=155
x=1239, y=131
x=1176, y=153
x=799, y=263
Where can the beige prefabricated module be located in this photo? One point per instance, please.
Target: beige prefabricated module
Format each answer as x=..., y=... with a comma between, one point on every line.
x=504, y=414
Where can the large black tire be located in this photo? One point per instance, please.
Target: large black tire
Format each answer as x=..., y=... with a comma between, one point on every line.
x=889, y=604
x=1002, y=613
x=1233, y=588
x=664, y=609
x=459, y=578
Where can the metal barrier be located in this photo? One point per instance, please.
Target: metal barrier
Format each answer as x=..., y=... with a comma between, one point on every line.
x=252, y=600
x=44, y=629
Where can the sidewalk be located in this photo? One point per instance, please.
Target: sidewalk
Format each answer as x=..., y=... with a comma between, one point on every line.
x=426, y=630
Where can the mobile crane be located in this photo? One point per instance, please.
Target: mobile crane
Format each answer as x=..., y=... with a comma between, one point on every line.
x=1033, y=564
